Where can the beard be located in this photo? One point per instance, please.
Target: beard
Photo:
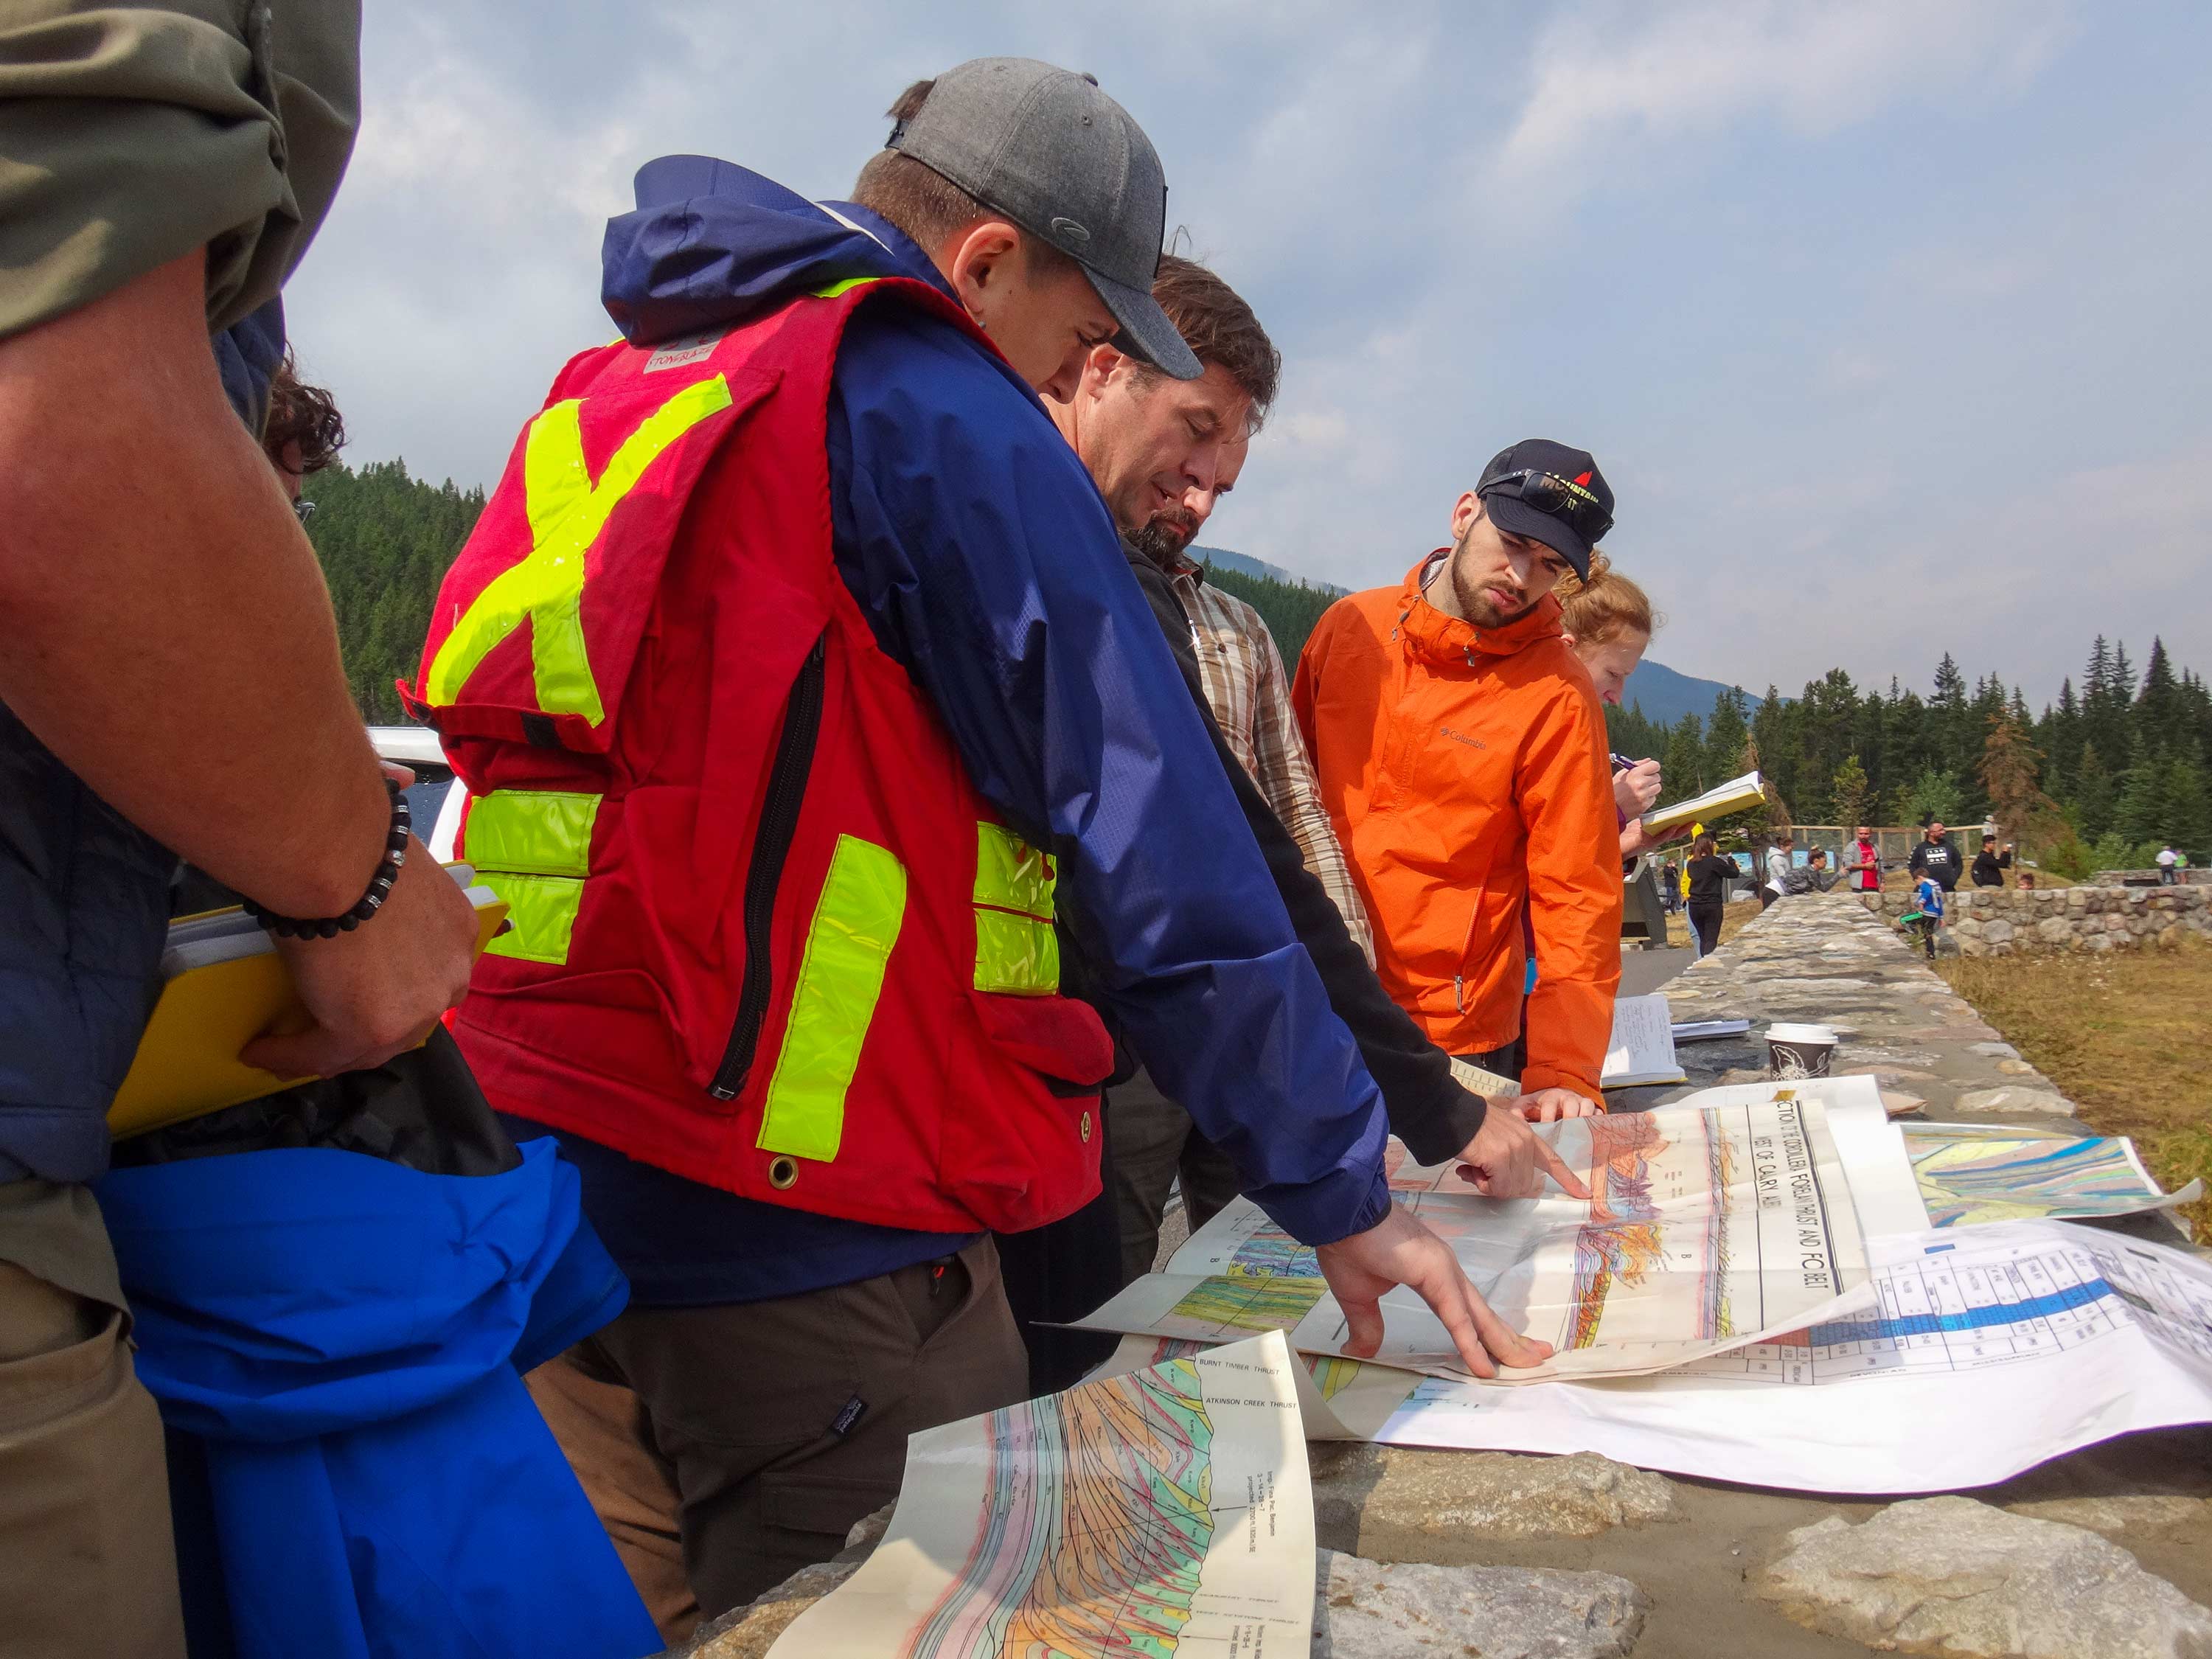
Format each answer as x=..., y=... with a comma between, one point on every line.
x=1163, y=539
x=1474, y=598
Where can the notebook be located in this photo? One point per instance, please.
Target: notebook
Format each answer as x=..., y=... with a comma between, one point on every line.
x=1642, y=1046
x=1736, y=795
x=224, y=985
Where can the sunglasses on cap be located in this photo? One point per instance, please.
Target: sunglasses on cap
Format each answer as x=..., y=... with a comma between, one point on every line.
x=1556, y=498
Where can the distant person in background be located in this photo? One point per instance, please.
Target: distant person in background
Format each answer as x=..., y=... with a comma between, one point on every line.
x=1862, y=861
x=1936, y=856
x=1670, y=886
x=1608, y=620
x=1813, y=876
x=1710, y=878
x=304, y=434
x=1777, y=871
x=1989, y=865
x=2167, y=859
x=2027, y=882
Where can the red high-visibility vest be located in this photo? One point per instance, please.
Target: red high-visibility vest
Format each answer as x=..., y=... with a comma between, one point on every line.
x=767, y=934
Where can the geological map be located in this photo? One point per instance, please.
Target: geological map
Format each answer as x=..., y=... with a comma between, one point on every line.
x=1162, y=1510
x=1710, y=1223
x=1984, y=1174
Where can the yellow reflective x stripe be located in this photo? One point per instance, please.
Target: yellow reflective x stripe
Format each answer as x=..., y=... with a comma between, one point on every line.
x=1016, y=950
x=856, y=922
x=846, y=287
x=568, y=510
x=533, y=848
x=1010, y=874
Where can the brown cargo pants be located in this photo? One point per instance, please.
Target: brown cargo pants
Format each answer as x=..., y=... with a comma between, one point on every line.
x=724, y=1447
x=88, y=1562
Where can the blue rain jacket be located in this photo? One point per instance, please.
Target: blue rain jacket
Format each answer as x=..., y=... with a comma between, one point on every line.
x=988, y=566
x=336, y=1344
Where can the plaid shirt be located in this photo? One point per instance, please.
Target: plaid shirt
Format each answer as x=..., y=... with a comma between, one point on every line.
x=1242, y=675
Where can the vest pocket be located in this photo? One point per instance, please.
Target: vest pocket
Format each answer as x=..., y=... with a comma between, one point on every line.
x=1022, y=1133
x=779, y=823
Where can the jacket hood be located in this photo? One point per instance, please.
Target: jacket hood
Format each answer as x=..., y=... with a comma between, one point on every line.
x=711, y=244
x=1432, y=635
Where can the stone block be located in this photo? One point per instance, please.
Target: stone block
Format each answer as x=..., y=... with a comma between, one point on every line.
x=2144, y=1514
x=1368, y=1610
x=1997, y=932
x=1382, y=1500
x=1954, y=1577
x=2013, y=1097
x=747, y=1632
x=2054, y=930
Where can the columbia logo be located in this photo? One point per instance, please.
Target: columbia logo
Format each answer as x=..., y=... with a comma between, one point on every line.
x=1461, y=737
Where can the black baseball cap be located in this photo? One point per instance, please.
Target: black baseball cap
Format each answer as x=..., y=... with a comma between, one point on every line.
x=1045, y=146
x=1550, y=494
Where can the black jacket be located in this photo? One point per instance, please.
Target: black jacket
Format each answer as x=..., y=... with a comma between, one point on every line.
x=1938, y=859
x=1990, y=868
x=1709, y=879
x=1430, y=1112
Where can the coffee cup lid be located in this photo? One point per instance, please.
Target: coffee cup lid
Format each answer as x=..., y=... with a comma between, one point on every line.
x=1801, y=1034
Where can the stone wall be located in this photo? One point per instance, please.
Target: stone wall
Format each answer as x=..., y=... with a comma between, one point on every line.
x=1997, y=922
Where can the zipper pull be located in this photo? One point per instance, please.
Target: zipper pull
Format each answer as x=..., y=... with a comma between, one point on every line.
x=1459, y=994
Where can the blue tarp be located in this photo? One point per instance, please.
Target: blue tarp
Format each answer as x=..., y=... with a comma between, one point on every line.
x=336, y=1343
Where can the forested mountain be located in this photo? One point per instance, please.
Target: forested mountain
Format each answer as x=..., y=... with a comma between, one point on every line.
x=2100, y=779
x=385, y=540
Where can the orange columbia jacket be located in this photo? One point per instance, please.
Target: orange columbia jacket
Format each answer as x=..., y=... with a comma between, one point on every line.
x=1465, y=772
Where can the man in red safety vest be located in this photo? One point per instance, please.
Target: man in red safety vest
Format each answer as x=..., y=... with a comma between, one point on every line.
x=799, y=688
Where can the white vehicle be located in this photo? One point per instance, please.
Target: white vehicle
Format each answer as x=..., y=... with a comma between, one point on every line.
x=434, y=799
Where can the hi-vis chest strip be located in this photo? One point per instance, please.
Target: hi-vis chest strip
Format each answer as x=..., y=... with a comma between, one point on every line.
x=584, y=552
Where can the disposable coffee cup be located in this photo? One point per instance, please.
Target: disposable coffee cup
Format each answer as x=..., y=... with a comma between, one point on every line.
x=1795, y=1051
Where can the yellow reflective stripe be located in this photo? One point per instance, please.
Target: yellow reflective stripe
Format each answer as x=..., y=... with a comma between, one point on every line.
x=543, y=911
x=856, y=922
x=1016, y=954
x=542, y=832
x=533, y=848
x=1010, y=874
x=567, y=510
x=845, y=286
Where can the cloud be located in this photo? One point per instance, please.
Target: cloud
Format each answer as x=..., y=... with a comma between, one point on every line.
x=1613, y=75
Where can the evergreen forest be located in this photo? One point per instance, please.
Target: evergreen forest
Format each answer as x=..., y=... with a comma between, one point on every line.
x=2099, y=779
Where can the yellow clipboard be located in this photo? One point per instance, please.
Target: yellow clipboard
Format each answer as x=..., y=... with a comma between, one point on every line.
x=187, y=1063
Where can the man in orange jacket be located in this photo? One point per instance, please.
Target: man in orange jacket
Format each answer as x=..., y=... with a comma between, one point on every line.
x=1462, y=754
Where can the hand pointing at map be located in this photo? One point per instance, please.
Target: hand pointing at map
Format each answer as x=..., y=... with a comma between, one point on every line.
x=1400, y=1250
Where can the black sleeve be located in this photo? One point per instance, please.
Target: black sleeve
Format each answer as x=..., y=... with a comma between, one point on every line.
x=1428, y=1110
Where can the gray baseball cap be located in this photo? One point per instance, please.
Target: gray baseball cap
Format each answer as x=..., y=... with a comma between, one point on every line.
x=1045, y=146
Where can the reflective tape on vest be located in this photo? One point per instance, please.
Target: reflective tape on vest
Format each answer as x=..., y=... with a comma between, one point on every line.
x=1016, y=951
x=533, y=848
x=567, y=508
x=841, y=977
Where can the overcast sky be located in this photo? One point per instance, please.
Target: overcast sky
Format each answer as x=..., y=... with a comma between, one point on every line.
x=1886, y=320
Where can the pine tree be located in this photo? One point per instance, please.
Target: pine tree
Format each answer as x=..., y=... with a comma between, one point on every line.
x=2091, y=797
x=1727, y=734
x=1851, y=794
x=2158, y=706
x=2008, y=773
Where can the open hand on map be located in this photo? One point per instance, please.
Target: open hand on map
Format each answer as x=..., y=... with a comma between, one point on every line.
x=1400, y=1250
x=1508, y=1159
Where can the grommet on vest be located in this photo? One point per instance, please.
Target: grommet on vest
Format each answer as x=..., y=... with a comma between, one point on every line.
x=783, y=1174
x=1086, y=1128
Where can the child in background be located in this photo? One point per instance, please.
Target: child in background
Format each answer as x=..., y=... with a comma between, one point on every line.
x=1928, y=896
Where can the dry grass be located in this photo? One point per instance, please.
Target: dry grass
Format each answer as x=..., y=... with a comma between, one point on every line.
x=2126, y=1037
x=1734, y=918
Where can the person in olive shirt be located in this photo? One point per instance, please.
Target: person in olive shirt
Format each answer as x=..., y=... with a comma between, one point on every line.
x=165, y=168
